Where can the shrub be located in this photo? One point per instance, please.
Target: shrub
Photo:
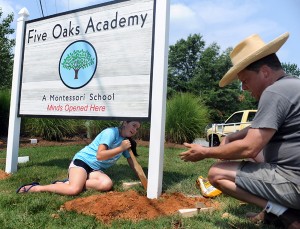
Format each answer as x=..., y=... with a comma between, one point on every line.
x=4, y=111
x=144, y=132
x=52, y=129
x=94, y=127
x=186, y=118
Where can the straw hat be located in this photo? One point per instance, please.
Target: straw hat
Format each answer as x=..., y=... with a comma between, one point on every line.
x=248, y=51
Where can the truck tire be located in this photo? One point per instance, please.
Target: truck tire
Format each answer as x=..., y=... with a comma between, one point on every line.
x=214, y=142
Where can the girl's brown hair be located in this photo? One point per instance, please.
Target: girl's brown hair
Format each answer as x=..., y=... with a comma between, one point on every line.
x=132, y=141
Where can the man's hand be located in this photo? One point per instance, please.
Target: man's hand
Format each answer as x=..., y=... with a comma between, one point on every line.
x=194, y=153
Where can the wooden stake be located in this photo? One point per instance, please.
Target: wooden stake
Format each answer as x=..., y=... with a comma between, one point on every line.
x=139, y=170
x=200, y=206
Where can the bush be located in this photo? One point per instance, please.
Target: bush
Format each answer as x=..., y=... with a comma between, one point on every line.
x=144, y=132
x=186, y=118
x=52, y=129
x=94, y=127
x=57, y=129
x=4, y=111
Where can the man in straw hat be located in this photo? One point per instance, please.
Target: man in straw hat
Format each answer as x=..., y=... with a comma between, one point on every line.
x=272, y=183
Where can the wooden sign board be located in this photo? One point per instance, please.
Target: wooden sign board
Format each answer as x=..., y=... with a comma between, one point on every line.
x=94, y=62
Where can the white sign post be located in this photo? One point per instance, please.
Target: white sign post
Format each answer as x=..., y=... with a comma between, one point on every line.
x=158, y=108
x=14, y=121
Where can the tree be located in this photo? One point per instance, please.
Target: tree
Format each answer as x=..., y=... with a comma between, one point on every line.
x=6, y=50
x=78, y=59
x=291, y=69
x=212, y=65
x=210, y=68
x=198, y=70
x=183, y=59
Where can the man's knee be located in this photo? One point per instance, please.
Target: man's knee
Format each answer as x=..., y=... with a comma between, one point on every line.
x=223, y=170
x=213, y=174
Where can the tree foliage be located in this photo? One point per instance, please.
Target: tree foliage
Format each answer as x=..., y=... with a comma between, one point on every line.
x=183, y=59
x=4, y=111
x=197, y=69
x=291, y=69
x=6, y=50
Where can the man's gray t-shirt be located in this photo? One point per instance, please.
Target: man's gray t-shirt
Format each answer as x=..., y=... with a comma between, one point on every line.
x=279, y=109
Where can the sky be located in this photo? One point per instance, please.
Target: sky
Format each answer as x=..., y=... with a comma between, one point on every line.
x=225, y=22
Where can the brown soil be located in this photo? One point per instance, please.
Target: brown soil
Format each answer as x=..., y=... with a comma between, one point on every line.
x=130, y=205
x=3, y=175
x=121, y=205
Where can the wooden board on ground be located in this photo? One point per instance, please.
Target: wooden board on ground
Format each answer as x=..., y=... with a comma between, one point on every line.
x=128, y=185
x=190, y=212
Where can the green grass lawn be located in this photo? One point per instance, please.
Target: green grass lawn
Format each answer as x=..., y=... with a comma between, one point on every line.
x=47, y=164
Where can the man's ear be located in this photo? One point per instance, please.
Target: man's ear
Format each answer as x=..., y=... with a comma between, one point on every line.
x=266, y=71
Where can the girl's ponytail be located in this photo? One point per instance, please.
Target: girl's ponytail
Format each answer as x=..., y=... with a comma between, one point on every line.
x=133, y=146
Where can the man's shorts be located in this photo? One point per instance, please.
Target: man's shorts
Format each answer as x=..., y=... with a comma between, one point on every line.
x=261, y=179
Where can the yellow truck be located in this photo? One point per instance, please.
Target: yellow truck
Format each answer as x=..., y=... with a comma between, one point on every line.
x=237, y=121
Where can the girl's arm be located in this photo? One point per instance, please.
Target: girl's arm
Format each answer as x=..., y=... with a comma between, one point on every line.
x=103, y=153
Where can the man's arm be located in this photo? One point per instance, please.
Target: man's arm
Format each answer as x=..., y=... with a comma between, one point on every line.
x=248, y=147
x=235, y=136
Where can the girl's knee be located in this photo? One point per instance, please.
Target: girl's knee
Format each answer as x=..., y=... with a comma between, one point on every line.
x=105, y=185
x=74, y=191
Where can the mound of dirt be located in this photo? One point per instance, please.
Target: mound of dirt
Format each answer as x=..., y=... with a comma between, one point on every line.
x=3, y=175
x=130, y=205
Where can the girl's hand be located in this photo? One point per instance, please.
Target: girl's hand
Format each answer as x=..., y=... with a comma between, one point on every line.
x=125, y=145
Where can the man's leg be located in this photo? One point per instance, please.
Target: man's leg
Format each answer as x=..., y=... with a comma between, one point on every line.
x=222, y=176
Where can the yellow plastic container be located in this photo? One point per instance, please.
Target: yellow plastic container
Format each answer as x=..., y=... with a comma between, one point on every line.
x=207, y=190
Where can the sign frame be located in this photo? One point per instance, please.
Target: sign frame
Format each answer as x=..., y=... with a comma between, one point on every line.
x=75, y=111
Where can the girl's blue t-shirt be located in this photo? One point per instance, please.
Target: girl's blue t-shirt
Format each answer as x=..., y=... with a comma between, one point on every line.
x=110, y=137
